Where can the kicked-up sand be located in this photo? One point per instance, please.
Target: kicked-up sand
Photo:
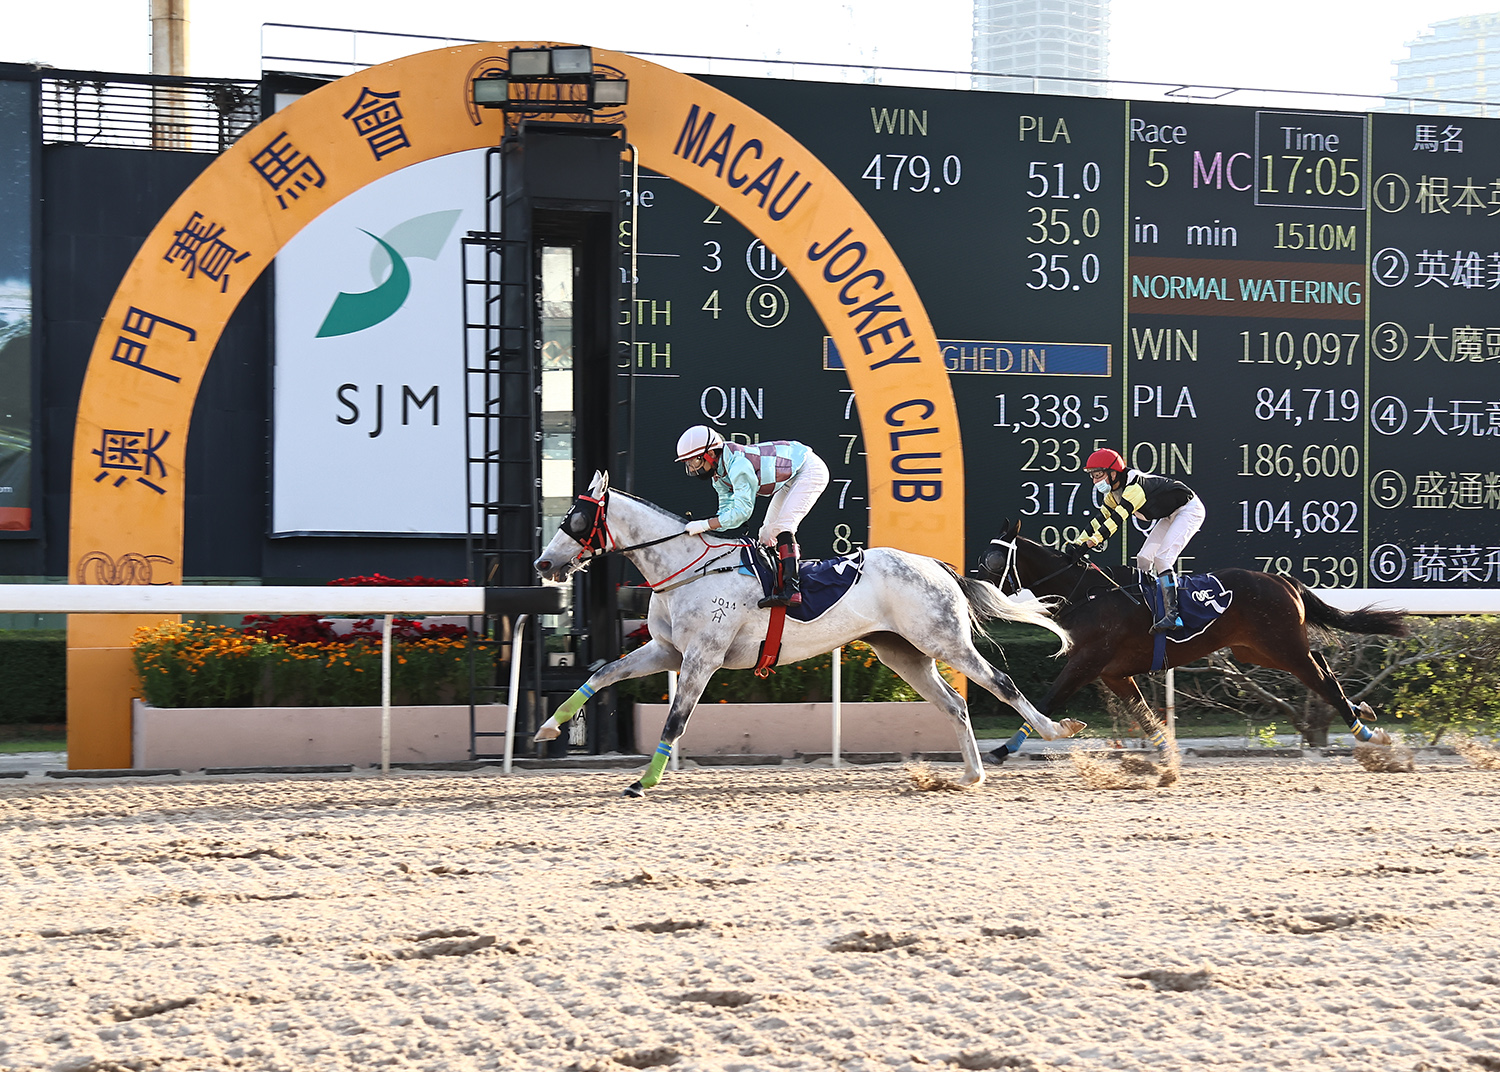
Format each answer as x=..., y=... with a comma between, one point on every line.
x=1256, y=914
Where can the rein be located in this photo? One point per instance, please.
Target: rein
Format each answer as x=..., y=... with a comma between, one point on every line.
x=600, y=530
x=1012, y=570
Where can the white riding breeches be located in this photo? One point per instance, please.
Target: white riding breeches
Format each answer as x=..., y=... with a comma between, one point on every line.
x=1169, y=536
x=792, y=501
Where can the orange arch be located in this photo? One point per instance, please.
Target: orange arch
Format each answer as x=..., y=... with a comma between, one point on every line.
x=194, y=268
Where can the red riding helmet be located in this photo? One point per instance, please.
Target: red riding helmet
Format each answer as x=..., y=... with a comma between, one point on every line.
x=1105, y=459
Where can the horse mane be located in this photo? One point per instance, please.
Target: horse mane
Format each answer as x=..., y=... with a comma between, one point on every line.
x=662, y=510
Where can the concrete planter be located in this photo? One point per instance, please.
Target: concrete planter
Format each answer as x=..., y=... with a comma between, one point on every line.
x=787, y=729
x=191, y=738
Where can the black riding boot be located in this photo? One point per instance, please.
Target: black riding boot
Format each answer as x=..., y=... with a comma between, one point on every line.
x=1169, y=619
x=787, y=592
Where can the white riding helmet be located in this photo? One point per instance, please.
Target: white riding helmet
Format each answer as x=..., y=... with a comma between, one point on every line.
x=697, y=440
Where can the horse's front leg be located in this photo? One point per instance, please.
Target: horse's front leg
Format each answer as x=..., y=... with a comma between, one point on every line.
x=650, y=658
x=697, y=668
x=1080, y=669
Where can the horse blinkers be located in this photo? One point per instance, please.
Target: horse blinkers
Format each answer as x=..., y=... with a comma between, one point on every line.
x=997, y=565
x=585, y=522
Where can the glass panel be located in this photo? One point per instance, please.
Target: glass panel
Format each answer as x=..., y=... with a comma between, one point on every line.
x=556, y=333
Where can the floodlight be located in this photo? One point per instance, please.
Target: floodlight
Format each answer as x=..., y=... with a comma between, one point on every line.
x=491, y=92
x=572, y=61
x=530, y=62
x=616, y=91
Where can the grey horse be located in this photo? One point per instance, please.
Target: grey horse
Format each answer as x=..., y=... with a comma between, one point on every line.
x=911, y=609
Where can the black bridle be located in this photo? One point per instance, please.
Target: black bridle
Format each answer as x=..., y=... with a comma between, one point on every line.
x=1009, y=572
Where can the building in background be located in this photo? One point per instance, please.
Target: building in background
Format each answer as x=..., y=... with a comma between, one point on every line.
x=1049, y=42
x=1450, y=60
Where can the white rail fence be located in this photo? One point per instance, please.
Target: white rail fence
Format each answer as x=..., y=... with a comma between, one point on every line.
x=522, y=603
x=373, y=602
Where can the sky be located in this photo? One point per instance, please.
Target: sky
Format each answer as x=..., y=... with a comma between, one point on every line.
x=1332, y=46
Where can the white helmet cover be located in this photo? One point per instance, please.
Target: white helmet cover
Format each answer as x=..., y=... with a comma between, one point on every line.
x=696, y=440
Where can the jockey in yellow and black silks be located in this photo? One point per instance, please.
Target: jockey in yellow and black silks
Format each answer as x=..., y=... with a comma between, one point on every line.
x=1176, y=511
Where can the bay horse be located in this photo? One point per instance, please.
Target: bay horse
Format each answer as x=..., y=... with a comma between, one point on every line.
x=703, y=616
x=1265, y=624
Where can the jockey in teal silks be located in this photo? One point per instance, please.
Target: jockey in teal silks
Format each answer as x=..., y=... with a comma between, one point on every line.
x=787, y=471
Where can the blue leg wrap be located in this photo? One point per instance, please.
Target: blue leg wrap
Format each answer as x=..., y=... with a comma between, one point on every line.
x=1013, y=745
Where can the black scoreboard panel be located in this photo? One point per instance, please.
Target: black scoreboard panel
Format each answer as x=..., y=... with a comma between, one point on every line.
x=1293, y=312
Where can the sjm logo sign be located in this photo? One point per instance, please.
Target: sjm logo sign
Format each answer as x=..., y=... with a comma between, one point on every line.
x=421, y=236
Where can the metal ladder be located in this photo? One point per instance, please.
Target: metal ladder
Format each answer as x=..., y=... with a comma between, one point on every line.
x=502, y=436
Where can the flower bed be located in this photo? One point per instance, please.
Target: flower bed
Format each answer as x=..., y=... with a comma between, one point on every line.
x=297, y=661
x=300, y=660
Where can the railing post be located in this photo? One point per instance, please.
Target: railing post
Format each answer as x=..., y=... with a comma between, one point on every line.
x=385, y=695
x=837, y=694
x=515, y=689
x=676, y=761
x=1172, y=703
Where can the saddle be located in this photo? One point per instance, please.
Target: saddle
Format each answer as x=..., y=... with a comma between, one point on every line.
x=1201, y=599
x=823, y=583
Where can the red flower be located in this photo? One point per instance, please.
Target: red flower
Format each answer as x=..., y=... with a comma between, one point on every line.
x=380, y=580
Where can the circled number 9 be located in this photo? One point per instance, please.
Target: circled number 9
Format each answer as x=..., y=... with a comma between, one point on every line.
x=767, y=305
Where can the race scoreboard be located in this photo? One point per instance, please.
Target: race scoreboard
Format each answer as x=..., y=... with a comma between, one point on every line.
x=1293, y=312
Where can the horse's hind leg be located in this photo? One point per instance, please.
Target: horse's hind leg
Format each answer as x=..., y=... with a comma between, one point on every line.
x=921, y=673
x=1156, y=730
x=1333, y=692
x=650, y=658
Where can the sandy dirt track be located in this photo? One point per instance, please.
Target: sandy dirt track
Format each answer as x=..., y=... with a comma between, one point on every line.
x=1302, y=914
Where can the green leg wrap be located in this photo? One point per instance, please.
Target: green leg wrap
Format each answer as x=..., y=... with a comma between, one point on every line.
x=658, y=764
x=573, y=704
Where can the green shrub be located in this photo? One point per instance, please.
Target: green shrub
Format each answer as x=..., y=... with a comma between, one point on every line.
x=33, y=675
x=1457, y=690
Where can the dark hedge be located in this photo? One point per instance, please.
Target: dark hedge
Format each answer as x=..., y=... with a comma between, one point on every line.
x=33, y=675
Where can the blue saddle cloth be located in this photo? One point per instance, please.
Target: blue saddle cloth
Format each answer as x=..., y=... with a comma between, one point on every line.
x=823, y=583
x=1201, y=598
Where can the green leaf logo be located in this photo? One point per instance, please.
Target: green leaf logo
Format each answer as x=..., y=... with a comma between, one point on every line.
x=422, y=236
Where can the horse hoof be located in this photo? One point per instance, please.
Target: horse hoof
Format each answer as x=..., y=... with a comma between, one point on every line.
x=637, y=790
x=1379, y=737
x=998, y=755
x=1367, y=713
x=1071, y=727
x=546, y=733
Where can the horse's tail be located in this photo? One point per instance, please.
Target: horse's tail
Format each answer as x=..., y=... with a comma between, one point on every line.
x=1365, y=620
x=987, y=602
